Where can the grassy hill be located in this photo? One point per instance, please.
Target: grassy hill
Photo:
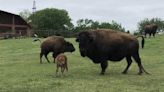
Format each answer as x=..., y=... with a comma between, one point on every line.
x=20, y=70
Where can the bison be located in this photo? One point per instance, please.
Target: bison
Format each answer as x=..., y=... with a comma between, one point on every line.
x=150, y=29
x=55, y=44
x=105, y=44
x=61, y=62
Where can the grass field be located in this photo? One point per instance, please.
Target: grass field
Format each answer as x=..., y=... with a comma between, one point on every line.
x=20, y=70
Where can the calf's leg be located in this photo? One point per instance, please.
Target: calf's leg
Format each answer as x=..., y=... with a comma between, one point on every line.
x=57, y=69
x=62, y=69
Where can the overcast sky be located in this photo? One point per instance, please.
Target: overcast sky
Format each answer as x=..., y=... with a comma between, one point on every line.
x=126, y=12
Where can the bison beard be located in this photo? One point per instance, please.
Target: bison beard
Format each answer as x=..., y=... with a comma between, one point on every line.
x=103, y=45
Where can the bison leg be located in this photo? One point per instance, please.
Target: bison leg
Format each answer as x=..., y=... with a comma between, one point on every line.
x=145, y=34
x=129, y=62
x=104, y=65
x=154, y=35
x=54, y=55
x=149, y=35
x=66, y=67
x=138, y=61
x=41, y=54
x=62, y=69
x=57, y=69
x=47, y=57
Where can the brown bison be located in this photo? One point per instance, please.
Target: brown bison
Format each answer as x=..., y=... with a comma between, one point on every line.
x=104, y=44
x=55, y=44
x=150, y=29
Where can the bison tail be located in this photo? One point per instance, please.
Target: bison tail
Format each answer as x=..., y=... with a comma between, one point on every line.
x=143, y=40
x=145, y=70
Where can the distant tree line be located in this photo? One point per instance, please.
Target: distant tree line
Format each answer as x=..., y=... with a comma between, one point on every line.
x=52, y=21
x=84, y=24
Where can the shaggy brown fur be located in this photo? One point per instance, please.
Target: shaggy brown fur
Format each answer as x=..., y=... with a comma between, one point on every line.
x=61, y=62
x=55, y=44
x=104, y=44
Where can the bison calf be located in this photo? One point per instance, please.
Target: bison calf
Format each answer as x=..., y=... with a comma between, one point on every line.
x=61, y=62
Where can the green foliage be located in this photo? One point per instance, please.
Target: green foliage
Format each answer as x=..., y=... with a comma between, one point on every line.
x=114, y=25
x=51, y=19
x=20, y=70
x=25, y=14
x=147, y=21
x=85, y=24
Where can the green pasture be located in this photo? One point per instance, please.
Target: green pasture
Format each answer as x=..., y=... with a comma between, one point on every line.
x=20, y=70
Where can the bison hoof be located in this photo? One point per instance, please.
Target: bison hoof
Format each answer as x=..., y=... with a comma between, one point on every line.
x=102, y=73
x=140, y=73
x=124, y=72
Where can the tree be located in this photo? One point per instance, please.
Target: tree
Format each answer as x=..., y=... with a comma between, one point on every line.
x=84, y=24
x=117, y=26
x=25, y=14
x=159, y=22
x=105, y=25
x=51, y=19
x=95, y=25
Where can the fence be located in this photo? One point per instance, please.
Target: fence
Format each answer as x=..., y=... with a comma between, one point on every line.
x=46, y=33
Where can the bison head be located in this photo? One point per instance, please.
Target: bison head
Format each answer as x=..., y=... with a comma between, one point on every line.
x=69, y=47
x=154, y=27
x=84, y=39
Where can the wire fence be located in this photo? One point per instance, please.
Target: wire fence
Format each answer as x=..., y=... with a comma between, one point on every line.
x=46, y=33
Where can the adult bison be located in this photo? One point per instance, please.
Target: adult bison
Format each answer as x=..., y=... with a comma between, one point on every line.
x=150, y=29
x=55, y=44
x=104, y=44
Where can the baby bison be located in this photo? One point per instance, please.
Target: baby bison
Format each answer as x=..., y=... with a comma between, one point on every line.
x=61, y=61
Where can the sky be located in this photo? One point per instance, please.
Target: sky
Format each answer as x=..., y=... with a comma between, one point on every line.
x=126, y=12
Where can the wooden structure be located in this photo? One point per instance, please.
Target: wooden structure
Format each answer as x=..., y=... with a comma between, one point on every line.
x=13, y=25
